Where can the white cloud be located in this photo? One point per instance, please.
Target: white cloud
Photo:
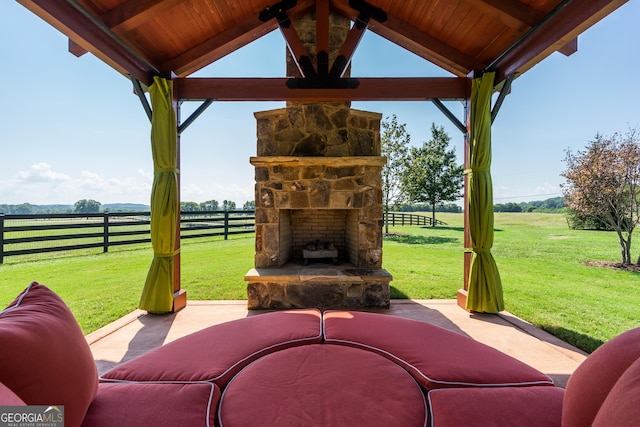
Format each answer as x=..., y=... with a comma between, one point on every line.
x=41, y=172
x=41, y=184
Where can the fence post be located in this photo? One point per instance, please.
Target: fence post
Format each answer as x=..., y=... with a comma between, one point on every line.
x=226, y=224
x=105, y=239
x=1, y=238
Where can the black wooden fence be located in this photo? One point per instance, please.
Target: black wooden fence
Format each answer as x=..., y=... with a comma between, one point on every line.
x=402, y=219
x=44, y=233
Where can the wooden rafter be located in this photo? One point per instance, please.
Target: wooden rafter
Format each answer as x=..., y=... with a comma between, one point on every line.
x=511, y=13
x=322, y=37
x=89, y=36
x=342, y=61
x=296, y=48
x=559, y=30
x=275, y=89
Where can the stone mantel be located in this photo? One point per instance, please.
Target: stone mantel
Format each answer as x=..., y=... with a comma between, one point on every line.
x=346, y=161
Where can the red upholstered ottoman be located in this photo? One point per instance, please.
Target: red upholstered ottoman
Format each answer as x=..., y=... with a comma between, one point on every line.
x=322, y=385
x=436, y=357
x=217, y=353
x=153, y=404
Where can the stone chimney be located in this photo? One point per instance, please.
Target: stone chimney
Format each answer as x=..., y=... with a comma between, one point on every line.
x=318, y=193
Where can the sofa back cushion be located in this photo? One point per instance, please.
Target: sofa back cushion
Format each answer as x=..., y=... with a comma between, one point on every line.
x=621, y=408
x=44, y=357
x=595, y=378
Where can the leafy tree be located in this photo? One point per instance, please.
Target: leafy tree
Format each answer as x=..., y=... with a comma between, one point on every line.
x=189, y=207
x=603, y=183
x=394, y=141
x=432, y=175
x=87, y=206
x=210, y=205
x=228, y=205
x=249, y=205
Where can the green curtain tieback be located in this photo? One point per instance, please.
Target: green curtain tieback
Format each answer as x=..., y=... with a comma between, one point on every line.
x=165, y=255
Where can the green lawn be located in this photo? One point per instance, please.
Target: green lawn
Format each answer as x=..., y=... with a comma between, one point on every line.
x=539, y=257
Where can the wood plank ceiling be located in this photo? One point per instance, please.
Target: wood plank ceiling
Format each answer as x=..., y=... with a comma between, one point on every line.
x=146, y=37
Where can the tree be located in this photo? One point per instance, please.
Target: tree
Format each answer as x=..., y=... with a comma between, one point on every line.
x=432, y=175
x=87, y=206
x=394, y=141
x=210, y=205
x=228, y=205
x=189, y=207
x=249, y=205
x=603, y=183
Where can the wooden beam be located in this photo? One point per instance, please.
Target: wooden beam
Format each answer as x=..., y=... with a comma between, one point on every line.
x=342, y=61
x=228, y=41
x=570, y=48
x=369, y=89
x=558, y=31
x=75, y=49
x=513, y=14
x=133, y=13
x=297, y=50
x=322, y=27
x=85, y=33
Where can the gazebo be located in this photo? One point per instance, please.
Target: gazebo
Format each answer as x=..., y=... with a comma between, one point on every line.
x=485, y=44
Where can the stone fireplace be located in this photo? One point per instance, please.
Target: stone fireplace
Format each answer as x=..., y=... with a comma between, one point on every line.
x=318, y=195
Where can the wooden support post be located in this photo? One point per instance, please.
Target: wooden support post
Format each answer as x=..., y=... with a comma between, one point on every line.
x=179, y=295
x=462, y=293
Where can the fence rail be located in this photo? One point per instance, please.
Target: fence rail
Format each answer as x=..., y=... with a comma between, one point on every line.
x=402, y=219
x=24, y=235
x=46, y=233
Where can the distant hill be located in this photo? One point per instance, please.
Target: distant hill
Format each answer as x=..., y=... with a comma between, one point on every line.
x=124, y=207
x=28, y=208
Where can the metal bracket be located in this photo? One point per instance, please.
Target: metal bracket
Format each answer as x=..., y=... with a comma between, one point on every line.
x=183, y=126
x=137, y=88
x=449, y=115
x=506, y=87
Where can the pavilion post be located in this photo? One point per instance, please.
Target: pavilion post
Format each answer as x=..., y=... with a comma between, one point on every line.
x=161, y=292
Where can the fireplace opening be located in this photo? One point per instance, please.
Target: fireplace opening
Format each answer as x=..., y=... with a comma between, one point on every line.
x=305, y=230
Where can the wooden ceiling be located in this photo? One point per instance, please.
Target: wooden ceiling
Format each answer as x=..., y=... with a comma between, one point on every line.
x=146, y=37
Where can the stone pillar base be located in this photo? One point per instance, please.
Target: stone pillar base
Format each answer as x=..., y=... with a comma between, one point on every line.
x=327, y=287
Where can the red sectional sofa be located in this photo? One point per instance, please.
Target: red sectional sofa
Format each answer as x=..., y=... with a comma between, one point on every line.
x=305, y=368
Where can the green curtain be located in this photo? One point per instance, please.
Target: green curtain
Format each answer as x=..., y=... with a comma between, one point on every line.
x=485, y=286
x=157, y=295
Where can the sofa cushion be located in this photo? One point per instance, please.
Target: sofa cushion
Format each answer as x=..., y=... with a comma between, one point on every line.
x=435, y=356
x=217, y=353
x=592, y=381
x=9, y=398
x=323, y=385
x=621, y=408
x=157, y=404
x=496, y=406
x=44, y=357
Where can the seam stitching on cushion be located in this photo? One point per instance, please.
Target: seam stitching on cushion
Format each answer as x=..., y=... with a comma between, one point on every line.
x=434, y=381
x=300, y=340
x=24, y=293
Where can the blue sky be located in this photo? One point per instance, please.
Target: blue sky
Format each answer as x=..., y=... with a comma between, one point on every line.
x=72, y=129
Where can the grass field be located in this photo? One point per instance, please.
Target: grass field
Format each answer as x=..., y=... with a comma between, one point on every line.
x=541, y=263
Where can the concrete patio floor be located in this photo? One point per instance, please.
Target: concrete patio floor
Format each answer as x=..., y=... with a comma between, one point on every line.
x=139, y=332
